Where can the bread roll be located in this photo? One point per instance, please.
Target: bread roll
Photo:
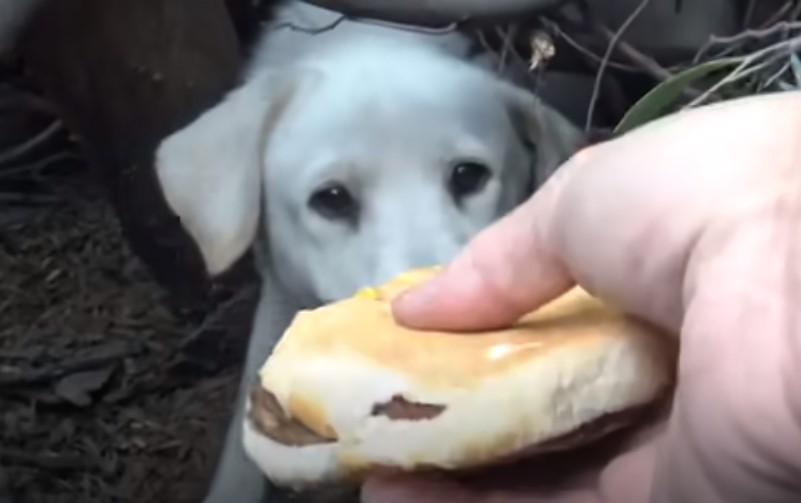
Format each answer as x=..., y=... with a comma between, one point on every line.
x=347, y=391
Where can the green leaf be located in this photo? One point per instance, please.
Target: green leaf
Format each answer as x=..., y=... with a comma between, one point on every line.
x=660, y=98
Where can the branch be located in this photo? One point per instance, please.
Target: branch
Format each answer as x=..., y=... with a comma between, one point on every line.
x=436, y=12
x=611, y=47
x=29, y=145
x=46, y=460
x=735, y=41
x=104, y=355
x=644, y=62
x=752, y=64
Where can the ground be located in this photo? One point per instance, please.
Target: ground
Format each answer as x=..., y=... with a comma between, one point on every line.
x=106, y=394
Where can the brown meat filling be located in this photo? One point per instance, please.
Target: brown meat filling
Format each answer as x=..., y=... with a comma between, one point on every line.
x=592, y=431
x=269, y=419
x=401, y=409
x=553, y=461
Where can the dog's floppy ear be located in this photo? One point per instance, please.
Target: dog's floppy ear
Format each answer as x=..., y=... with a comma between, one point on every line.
x=211, y=170
x=553, y=137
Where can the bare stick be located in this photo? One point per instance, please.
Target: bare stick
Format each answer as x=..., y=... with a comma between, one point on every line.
x=437, y=12
x=217, y=314
x=745, y=68
x=57, y=370
x=48, y=461
x=37, y=166
x=776, y=76
x=599, y=76
x=749, y=14
x=575, y=44
x=746, y=36
x=646, y=63
x=27, y=146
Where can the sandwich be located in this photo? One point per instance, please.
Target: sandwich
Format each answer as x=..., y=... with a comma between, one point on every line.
x=347, y=392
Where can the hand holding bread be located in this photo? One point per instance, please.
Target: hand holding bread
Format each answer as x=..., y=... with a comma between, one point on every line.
x=348, y=392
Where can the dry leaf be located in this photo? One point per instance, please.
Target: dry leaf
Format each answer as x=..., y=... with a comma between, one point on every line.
x=77, y=388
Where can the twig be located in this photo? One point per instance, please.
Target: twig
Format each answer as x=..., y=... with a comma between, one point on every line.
x=437, y=30
x=783, y=27
x=52, y=372
x=778, y=15
x=507, y=41
x=744, y=69
x=7, y=354
x=796, y=12
x=214, y=317
x=646, y=63
x=776, y=76
x=437, y=13
x=745, y=36
x=515, y=53
x=749, y=14
x=611, y=47
x=27, y=199
x=29, y=145
x=554, y=27
x=36, y=166
x=481, y=36
x=47, y=461
x=306, y=29
x=429, y=30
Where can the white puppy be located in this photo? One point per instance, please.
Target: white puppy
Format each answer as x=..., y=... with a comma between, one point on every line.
x=349, y=156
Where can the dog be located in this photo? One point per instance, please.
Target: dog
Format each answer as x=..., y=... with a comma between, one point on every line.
x=351, y=151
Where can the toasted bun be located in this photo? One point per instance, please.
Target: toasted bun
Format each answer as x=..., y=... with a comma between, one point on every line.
x=348, y=391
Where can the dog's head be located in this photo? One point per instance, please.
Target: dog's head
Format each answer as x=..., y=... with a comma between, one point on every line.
x=361, y=173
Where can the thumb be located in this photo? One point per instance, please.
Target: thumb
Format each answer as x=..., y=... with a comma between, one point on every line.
x=506, y=271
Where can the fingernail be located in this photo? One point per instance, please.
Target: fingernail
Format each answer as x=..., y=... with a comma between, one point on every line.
x=419, y=297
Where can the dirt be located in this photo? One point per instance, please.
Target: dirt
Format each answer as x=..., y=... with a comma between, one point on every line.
x=107, y=392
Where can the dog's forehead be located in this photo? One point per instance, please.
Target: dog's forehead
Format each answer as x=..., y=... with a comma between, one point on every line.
x=375, y=104
x=409, y=109
x=389, y=78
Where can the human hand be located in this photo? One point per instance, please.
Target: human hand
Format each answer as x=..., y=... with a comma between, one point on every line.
x=694, y=223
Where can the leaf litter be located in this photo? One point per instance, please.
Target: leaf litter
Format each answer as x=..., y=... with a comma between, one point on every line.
x=100, y=398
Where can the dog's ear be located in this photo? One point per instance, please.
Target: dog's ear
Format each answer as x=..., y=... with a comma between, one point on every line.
x=211, y=170
x=553, y=138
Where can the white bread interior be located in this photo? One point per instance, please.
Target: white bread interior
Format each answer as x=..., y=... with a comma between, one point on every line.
x=562, y=366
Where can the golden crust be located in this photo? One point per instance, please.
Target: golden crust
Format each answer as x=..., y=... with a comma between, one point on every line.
x=405, y=399
x=364, y=325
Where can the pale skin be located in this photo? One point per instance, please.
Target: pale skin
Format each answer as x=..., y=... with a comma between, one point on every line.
x=694, y=223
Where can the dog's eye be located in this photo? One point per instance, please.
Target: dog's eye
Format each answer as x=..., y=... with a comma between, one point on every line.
x=334, y=202
x=468, y=178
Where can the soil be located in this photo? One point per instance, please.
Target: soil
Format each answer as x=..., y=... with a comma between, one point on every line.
x=107, y=392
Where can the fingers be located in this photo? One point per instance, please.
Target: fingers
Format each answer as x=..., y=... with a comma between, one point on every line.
x=415, y=489
x=734, y=436
x=506, y=271
x=619, y=218
x=630, y=230
x=626, y=478
x=408, y=489
x=629, y=478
